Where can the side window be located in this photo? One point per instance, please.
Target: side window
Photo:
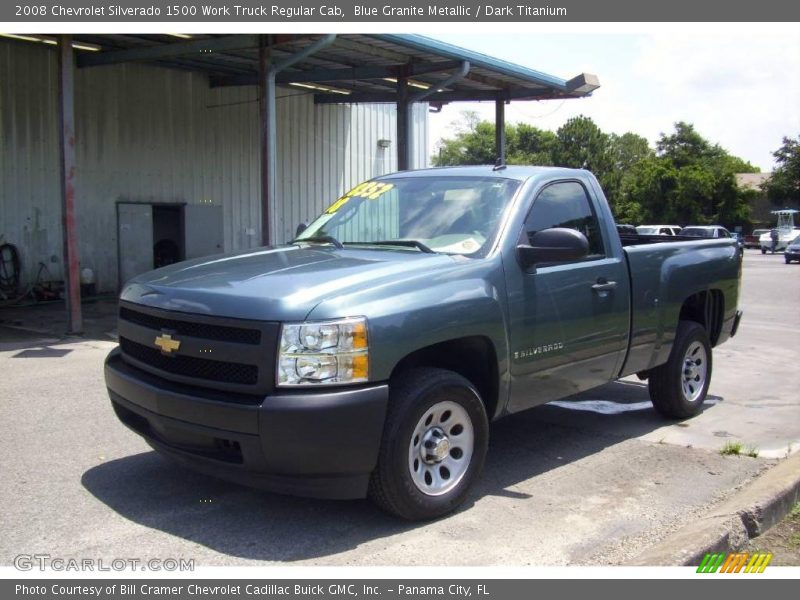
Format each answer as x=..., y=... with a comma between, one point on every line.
x=566, y=205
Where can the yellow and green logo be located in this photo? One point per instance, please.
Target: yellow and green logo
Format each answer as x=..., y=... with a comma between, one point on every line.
x=736, y=562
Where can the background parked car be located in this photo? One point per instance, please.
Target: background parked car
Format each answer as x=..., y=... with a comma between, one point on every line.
x=706, y=231
x=793, y=251
x=751, y=241
x=658, y=230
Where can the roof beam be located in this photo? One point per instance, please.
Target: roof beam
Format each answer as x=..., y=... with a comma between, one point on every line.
x=169, y=50
x=349, y=74
x=462, y=72
x=370, y=50
x=448, y=96
x=368, y=72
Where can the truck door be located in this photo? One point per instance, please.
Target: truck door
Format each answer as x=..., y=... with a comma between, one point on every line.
x=568, y=321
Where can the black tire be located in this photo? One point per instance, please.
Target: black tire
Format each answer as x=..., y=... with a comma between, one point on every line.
x=667, y=382
x=786, y=258
x=763, y=250
x=413, y=394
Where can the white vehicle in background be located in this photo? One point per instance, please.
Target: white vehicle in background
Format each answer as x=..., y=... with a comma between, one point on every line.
x=658, y=230
x=787, y=232
x=706, y=231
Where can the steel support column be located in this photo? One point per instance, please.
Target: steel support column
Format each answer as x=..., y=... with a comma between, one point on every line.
x=267, y=74
x=500, y=130
x=66, y=122
x=268, y=133
x=404, y=125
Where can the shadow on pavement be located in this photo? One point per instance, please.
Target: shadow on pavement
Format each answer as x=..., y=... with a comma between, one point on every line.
x=28, y=344
x=49, y=319
x=257, y=525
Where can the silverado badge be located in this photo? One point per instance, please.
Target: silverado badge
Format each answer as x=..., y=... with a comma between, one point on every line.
x=166, y=343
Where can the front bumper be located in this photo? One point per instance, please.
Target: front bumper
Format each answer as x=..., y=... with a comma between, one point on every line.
x=320, y=443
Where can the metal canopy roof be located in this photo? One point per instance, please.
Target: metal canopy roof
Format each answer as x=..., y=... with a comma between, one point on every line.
x=354, y=68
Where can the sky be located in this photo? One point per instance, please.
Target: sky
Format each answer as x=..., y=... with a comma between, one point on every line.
x=739, y=90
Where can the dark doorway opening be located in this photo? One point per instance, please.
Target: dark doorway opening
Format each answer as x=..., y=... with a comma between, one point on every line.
x=168, y=242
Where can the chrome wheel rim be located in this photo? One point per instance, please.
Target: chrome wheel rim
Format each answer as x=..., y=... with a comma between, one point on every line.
x=695, y=371
x=440, y=449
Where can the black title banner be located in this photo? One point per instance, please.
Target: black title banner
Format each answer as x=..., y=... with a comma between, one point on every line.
x=400, y=11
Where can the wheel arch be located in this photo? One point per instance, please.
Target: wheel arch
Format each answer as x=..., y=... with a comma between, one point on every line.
x=706, y=308
x=472, y=357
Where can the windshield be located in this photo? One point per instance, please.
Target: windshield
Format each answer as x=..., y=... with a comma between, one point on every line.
x=647, y=230
x=697, y=232
x=459, y=215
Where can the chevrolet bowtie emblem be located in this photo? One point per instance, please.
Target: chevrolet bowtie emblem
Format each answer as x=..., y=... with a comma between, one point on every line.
x=166, y=343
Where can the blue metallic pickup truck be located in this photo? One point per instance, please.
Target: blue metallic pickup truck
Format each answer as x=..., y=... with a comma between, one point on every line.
x=368, y=356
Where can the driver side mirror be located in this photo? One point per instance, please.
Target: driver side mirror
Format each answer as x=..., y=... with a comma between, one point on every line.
x=300, y=229
x=554, y=245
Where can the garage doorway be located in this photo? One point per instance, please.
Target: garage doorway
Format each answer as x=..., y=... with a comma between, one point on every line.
x=154, y=235
x=168, y=242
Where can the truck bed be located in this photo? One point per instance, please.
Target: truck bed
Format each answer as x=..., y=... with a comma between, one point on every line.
x=663, y=273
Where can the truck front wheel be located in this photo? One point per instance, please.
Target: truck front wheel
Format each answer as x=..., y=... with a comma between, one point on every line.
x=433, y=447
x=678, y=388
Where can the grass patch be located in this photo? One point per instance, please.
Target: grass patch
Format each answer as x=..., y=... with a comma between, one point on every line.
x=794, y=519
x=738, y=449
x=731, y=449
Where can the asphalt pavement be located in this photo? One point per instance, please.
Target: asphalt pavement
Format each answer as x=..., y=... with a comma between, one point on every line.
x=594, y=480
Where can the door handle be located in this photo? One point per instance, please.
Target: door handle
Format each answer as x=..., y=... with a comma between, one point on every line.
x=603, y=285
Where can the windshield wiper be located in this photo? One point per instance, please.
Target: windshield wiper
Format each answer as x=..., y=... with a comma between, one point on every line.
x=406, y=243
x=321, y=239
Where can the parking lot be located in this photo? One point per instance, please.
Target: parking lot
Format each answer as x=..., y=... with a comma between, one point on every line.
x=593, y=480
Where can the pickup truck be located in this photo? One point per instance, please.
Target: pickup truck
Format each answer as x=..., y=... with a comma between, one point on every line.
x=368, y=356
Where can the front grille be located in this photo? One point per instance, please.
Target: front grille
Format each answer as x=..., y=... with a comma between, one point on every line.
x=189, y=366
x=221, y=333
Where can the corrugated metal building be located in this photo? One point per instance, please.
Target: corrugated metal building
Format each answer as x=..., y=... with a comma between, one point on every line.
x=157, y=135
x=122, y=152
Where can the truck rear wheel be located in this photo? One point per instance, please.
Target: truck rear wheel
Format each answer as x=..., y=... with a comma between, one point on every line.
x=433, y=447
x=678, y=388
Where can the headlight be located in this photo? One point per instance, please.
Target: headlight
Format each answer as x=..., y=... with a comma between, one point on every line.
x=323, y=352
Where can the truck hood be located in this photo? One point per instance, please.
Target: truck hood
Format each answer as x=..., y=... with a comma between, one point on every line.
x=274, y=284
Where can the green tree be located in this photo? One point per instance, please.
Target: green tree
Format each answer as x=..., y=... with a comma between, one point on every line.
x=700, y=186
x=644, y=192
x=783, y=187
x=624, y=153
x=474, y=144
x=528, y=145
x=582, y=145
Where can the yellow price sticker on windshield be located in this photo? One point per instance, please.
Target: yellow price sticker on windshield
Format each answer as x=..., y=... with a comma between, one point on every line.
x=371, y=190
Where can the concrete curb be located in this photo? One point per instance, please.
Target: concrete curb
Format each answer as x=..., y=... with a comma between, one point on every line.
x=729, y=526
